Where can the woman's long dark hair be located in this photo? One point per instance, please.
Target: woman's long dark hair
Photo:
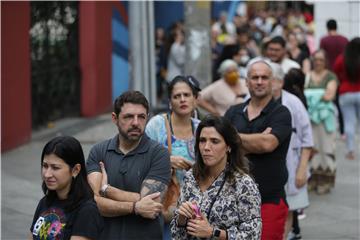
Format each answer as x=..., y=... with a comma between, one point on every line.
x=294, y=82
x=189, y=80
x=352, y=60
x=68, y=149
x=236, y=160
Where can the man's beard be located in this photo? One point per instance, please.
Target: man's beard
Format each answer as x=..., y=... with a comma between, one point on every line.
x=129, y=138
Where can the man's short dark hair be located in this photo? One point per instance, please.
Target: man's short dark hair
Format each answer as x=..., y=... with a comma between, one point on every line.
x=331, y=24
x=134, y=97
x=243, y=30
x=277, y=40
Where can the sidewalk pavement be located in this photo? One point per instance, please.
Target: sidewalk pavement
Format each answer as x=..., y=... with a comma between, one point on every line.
x=332, y=216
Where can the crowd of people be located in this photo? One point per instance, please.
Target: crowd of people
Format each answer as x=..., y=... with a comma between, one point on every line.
x=234, y=160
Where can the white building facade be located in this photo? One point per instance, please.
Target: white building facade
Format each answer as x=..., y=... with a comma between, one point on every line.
x=346, y=14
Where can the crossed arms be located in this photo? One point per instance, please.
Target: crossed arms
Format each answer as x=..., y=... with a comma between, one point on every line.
x=278, y=129
x=259, y=142
x=118, y=202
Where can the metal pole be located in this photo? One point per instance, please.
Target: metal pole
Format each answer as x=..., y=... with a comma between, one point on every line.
x=135, y=46
x=142, y=49
x=197, y=32
x=152, y=60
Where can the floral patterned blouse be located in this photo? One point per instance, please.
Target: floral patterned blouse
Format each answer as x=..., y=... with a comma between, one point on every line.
x=236, y=209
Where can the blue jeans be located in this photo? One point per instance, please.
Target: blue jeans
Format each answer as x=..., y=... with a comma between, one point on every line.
x=167, y=232
x=350, y=107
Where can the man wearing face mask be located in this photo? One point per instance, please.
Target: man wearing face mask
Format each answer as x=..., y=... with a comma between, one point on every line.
x=242, y=58
x=225, y=92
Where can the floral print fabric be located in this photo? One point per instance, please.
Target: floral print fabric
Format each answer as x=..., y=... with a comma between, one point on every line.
x=236, y=209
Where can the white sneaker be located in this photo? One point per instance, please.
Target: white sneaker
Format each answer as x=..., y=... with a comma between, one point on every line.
x=301, y=215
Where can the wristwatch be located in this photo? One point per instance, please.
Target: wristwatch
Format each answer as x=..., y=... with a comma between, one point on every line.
x=103, y=190
x=216, y=233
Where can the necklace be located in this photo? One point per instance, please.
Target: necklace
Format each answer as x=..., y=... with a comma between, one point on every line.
x=184, y=134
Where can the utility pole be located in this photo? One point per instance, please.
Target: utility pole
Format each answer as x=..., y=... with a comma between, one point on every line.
x=197, y=33
x=142, y=45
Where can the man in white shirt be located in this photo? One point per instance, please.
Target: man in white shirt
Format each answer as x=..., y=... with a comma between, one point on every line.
x=276, y=51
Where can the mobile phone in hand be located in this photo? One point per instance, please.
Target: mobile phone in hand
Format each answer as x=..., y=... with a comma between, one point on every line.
x=196, y=209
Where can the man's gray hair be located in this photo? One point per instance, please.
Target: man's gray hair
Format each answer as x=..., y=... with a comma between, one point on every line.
x=225, y=65
x=258, y=60
x=278, y=73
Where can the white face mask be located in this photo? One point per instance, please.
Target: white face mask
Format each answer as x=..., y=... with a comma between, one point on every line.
x=300, y=37
x=244, y=59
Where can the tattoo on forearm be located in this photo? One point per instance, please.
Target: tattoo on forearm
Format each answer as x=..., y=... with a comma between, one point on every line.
x=151, y=186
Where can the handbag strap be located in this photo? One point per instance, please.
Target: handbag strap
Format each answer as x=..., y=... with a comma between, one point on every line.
x=168, y=132
x=217, y=195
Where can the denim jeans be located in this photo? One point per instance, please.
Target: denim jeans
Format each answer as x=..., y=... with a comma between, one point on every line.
x=350, y=107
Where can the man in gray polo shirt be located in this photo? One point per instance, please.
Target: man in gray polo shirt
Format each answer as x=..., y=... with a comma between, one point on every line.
x=129, y=174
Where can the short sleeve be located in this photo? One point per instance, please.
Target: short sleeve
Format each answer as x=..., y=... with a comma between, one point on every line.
x=92, y=163
x=88, y=223
x=281, y=124
x=37, y=213
x=303, y=125
x=332, y=76
x=160, y=165
x=208, y=92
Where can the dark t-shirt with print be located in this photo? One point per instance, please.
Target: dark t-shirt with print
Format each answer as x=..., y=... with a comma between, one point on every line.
x=53, y=222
